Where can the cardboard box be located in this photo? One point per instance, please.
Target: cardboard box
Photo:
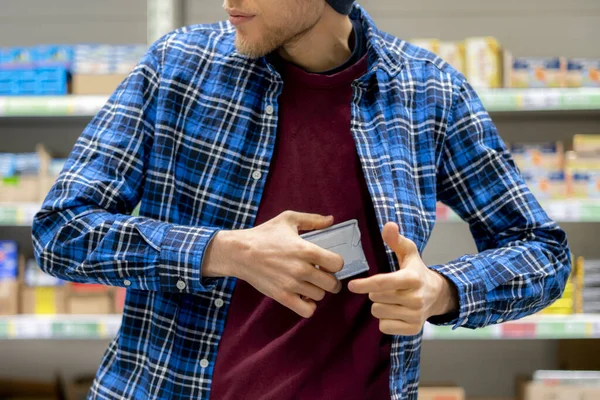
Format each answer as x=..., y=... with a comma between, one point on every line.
x=9, y=297
x=541, y=391
x=119, y=295
x=535, y=72
x=43, y=300
x=96, y=84
x=484, y=59
x=441, y=393
x=100, y=304
x=586, y=145
x=538, y=157
x=583, y=73
x=454, y=54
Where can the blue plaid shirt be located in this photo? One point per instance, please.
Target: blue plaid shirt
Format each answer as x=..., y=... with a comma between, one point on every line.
x=190, y=135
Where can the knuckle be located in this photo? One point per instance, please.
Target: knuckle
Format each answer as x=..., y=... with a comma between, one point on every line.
x=420, y=301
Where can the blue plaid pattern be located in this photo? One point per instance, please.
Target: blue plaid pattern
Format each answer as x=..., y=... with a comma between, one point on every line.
x=190, y=134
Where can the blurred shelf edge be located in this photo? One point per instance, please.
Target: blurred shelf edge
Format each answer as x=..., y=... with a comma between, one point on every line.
x=51, y=106
x=559, y=210
x=512, y=100
x=18, y=214
x=103, y=327
x=21, y=214
x=535, y=327
x=59, y=327
x=495, y=100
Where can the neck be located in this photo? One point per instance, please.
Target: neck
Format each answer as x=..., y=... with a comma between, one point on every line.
x=324, y=46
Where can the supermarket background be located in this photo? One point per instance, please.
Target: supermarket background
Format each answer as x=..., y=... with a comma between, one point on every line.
x=59, y=61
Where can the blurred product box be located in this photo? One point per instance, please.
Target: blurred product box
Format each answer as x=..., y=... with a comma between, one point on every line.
x=583, y=176
x=47, y=69
x=90, y=299
x=551, y=185
x=591, y=285
x=586, y=144
x=9, y=285
x=43, y=300
x=98, y=304
x=446, y=392
x=535, y=72
x=541, y=391
x=19, y=177
x=454, y=54
x=97, y=59
x=41, y=294
x=583, y=72
x=96, y=84
x=484, y=61
x=542, y=168
x=35, y=71
x=119, y=294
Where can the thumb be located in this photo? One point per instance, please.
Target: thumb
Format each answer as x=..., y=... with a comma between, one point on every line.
x=402, y=246
x=308, y=222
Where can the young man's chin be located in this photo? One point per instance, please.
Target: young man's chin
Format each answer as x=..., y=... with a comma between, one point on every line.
x=249, y=48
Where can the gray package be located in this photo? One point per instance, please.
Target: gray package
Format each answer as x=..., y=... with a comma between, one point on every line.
x=343, y=239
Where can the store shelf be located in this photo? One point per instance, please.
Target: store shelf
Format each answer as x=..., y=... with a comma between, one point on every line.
x=558, y=210
x=18, y=214
x=511, y=100
x=106, y=327
x=535, y=327
x=495, y=100
x=59, y=327
x=51, y=106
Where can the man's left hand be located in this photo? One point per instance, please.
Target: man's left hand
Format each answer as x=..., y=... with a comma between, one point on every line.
x=405, y=299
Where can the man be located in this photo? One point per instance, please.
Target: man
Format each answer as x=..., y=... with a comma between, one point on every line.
x=235, y=138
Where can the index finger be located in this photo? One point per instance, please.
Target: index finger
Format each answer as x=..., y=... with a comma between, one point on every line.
x=325, y=259
x=399, y=280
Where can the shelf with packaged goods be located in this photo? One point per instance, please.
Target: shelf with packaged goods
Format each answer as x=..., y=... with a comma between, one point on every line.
x=51, y=106
x=515, y=100
x=18, y=214
x=535, y=327
x=21, y=214
x=59, y=327
x=559, y=210
x=102, y=327
x=495, y=100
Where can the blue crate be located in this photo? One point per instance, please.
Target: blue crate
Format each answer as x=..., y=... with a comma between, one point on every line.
x=52, y=81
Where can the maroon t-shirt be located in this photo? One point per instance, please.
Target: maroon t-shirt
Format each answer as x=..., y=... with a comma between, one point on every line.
x=268, y=352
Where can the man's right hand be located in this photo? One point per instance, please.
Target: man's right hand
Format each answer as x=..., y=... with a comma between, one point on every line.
x=277, y=262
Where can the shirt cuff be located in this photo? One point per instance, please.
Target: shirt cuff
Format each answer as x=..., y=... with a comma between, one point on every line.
x=471, y=294
x=181, y=255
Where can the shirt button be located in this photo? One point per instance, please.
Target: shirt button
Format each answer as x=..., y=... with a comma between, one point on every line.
x=256, y=175
x=181, y=285
x=500, y=320
x=127, y=282
x=204, y=363
x=269, y=110
x=219, y=303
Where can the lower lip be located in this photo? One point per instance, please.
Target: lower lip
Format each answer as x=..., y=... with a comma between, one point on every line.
x=238, y=20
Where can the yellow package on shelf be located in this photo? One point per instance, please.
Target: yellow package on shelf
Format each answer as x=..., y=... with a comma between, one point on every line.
x=484, y=62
